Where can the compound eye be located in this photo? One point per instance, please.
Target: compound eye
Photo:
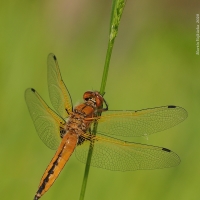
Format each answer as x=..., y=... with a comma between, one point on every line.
x=99, y=100
x=87, y=95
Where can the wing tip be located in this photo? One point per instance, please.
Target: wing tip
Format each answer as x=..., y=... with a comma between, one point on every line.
x=180, y=108
x=172, y=106
x=33, y=90
x=51, y=55
x=165, y=149
x=28, y=90
x=54, y=57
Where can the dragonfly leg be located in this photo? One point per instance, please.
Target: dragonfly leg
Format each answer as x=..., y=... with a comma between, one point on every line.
x=106, y=108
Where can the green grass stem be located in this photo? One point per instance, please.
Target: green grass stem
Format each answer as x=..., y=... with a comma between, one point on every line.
x=117, y=10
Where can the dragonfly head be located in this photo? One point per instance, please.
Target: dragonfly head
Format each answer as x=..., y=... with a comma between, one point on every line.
x=95, y=97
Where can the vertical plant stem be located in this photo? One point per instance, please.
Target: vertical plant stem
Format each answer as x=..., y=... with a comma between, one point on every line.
x=87, y=167
x=117, y=10
x=106, y=67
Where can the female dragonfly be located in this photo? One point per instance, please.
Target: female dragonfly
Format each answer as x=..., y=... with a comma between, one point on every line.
x=69, y=129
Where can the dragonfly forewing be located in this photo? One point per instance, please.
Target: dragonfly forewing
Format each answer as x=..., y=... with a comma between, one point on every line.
x=58, y=93
x=141, y=122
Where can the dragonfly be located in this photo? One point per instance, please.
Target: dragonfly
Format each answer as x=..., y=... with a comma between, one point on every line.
x=69, y=129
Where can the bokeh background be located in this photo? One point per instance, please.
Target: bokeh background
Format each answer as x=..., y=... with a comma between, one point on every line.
x=154, y=63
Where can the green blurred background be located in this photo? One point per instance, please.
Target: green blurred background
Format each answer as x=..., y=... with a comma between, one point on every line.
x=154, y=63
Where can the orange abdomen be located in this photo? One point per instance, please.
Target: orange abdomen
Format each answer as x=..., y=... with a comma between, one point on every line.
x=62, y=155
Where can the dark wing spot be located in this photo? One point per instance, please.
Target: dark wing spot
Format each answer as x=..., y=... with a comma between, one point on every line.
x=33, y=90
x=54, y=57
x=164, y=149
x=171, y=106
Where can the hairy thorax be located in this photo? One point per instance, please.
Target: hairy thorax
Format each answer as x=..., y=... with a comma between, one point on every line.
x=81, y=118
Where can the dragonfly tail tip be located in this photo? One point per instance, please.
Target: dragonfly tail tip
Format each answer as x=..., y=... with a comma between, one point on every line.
x=36, y=197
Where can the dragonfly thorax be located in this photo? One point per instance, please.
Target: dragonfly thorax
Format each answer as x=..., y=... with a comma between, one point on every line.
x=78, y=122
